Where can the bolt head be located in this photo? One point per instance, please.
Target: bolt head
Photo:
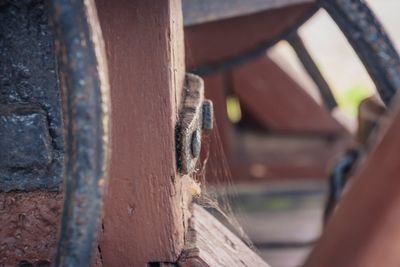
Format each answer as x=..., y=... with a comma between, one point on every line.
x=208, y=115
x=195, y=145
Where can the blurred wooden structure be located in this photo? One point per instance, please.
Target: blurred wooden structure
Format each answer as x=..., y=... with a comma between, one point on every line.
x=149, y=217
x=283, y=133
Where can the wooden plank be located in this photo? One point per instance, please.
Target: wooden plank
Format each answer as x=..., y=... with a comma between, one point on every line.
x=144, y=216
x=209, y=243
x=278, y=102
x=206, y=45
x=364, y=230
x=260, y=156
x=203, y=11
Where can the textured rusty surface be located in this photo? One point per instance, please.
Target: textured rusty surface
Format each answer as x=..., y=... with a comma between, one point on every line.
x=28, y=76
x=31, y=130
x=29, y=226
x=188, y=130
x=25, y=141
x=86, y=99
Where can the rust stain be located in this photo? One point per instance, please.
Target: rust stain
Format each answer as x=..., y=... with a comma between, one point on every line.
x=29, y=226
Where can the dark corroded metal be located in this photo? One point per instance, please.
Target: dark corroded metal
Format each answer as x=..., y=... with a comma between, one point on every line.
x=338, y=179
x=370, y=41
x=195, y=145
x=190, y=123
x=85, y=88
x=25, y=140
x=208, y=115
x=31, y=127
x=311, y=68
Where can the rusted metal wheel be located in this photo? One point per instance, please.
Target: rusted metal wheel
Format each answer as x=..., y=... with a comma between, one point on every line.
x=86, y=100
x=357, y=22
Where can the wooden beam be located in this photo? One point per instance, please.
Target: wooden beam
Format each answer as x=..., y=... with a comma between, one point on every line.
x=364, y=231
x=209, y=243
x=278, y=102
x=221, y=40
x=203, y=11
x=144, y=213
x=259, y=155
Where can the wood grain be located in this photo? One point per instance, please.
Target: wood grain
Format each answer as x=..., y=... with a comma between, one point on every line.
x=210, y=244
x=144, y=218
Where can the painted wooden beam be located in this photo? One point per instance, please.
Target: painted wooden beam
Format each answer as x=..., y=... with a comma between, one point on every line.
x=144, y=216
x=218, y=41
x=278, y=102
x=203, y=11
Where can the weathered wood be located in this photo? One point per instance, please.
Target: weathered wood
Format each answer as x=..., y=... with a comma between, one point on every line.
x=205, y=44
x=208, y=243
x=278, y=102
x=364, y=230
x=144, y=217
x=203, y=11
x=260, y=156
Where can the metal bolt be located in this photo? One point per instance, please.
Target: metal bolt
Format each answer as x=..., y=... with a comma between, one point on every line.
x=208, y=115
x=195, y=144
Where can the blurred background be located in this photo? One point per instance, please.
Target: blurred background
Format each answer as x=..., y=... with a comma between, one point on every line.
x=269, y=160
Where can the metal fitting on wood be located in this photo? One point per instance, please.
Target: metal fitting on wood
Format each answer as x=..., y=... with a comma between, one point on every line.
x=208, y=115
x=196, y=114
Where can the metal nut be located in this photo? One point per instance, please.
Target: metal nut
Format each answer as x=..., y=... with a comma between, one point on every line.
x=208, y=115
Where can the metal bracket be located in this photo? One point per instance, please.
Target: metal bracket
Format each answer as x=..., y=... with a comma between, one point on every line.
x=196, y=114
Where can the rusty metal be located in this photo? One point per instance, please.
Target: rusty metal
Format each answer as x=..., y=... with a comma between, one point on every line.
x=338, y=179
x=311, y=68
x=31, y=126
x=86, y=101
x=370, y=41
x=208, y=115
x=195, y=144
x=196, y=114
